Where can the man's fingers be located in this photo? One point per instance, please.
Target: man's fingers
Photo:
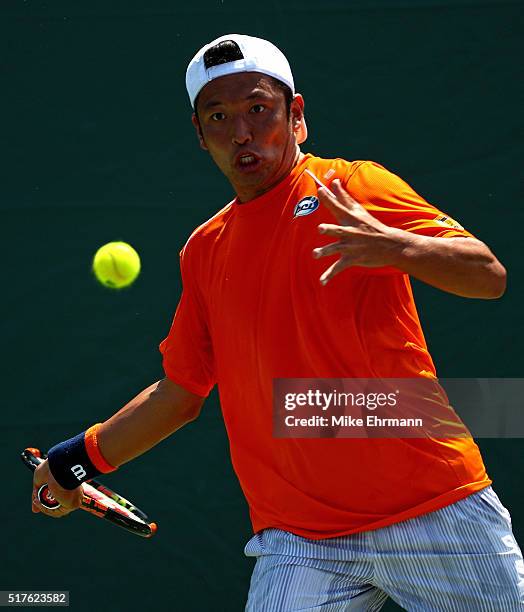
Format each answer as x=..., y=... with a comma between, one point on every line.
x=40, y=474
x=37, y=508
x=338, y=266
x=332, y=204
x=58, y=513
x=330, y=229
x=343, y=195
x=68, y=500
x=341, y=204
x=330, y=249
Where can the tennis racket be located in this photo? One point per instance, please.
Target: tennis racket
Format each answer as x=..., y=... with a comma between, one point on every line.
x=98, y=499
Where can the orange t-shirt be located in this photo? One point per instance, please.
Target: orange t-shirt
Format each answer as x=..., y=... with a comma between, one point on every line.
x=253, y=310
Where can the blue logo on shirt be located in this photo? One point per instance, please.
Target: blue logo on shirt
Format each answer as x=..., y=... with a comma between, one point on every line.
x=306, y=206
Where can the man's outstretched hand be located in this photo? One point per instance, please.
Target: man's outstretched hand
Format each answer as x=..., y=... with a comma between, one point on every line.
x=362, y=239
x=68, y=500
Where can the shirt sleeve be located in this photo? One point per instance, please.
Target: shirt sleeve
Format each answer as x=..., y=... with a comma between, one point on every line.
x=187, y=354
x=391, y=200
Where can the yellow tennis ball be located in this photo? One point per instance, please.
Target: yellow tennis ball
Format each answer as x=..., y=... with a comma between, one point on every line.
x=116, y=264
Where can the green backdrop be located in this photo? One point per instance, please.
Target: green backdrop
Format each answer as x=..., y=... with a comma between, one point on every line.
x=98, y=146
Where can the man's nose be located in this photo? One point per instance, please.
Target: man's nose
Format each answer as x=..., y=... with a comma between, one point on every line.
x=241, y=133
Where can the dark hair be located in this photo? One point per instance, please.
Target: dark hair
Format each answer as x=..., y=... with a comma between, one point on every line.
x=229, y=51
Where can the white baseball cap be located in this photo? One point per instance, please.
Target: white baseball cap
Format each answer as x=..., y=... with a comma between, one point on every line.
x=258, y=55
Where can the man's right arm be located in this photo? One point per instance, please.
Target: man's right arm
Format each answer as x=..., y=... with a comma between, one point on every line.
x=154, y=414
x=150, y=417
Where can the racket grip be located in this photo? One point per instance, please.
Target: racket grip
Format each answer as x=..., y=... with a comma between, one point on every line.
x=120, y=514
x=46, y=499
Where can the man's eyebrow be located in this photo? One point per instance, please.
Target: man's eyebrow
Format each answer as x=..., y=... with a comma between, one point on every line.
x=258, y=93
x=255, y=94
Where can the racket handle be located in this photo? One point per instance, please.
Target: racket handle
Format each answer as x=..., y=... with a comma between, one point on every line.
x=93, y=502
x=46, y=499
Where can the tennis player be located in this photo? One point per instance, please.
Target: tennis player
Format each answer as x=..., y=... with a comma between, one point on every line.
x=293, y=280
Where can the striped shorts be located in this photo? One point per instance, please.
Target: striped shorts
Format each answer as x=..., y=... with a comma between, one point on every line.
x=463, y=557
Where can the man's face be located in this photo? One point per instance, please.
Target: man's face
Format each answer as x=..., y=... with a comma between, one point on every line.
x=243, y=123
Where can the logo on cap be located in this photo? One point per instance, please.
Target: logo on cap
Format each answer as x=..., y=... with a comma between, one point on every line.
x=306, y=206
x=46, y=499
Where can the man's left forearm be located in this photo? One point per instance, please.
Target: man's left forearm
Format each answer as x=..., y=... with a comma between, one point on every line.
x=463, y=266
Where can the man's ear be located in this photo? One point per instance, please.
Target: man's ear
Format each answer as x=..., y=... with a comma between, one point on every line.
x=198, y=129
x=297, y=111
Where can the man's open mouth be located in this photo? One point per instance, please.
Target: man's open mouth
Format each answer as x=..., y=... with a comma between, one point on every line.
x=247, y=161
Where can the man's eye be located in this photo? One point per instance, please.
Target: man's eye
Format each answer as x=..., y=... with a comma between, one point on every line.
x=258, y=108
x=218, y=116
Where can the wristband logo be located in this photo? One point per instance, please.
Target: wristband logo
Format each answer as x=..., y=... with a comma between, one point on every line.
x=46, y=499
x=78, y=471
